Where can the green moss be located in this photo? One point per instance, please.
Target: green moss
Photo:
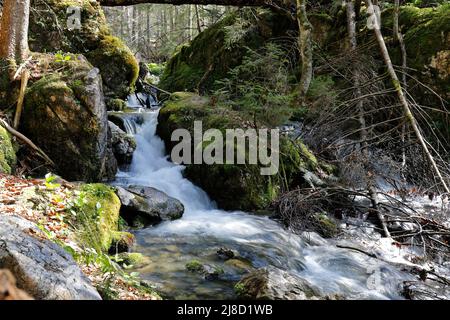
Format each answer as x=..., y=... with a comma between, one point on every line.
x=240, y=289
x=211, y=55
x=50, y=33
x=97, y=215
x=426, y=33
x=116, y=105
x=121, y=241
x=156, y=69
x=118, y=66
x=326, y=226
x=132, y=259
x=232, y=186
x=7, y=154
x=195, y=266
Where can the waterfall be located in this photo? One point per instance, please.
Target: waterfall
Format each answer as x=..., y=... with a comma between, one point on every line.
x=262, y=241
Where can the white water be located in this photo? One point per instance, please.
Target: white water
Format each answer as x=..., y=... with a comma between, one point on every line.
x=261, y=240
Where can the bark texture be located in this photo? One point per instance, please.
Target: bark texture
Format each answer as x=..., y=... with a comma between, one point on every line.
x=14, y=30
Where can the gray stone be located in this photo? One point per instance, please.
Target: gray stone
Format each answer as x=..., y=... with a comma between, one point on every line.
x=42, y=269
x=123, y=145
x=274, y=284
x=143, y=206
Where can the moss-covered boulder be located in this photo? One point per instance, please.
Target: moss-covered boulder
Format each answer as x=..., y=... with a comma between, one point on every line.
x=7, y=153
x=95, y=214
x=211, y=55
x=117, y=65
x=50, y=31
x=233, y=186
x=65, y=115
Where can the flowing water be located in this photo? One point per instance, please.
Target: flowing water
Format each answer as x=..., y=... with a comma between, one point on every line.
x=259, y=241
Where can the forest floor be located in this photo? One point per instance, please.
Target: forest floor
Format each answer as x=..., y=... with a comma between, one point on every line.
x=13, y=201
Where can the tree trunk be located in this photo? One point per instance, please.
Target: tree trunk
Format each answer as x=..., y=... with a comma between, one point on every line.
x=402, y=97
x=305, y=43
x=197, y=17
x=14, y=30
x=398, y=37
x=351, y=28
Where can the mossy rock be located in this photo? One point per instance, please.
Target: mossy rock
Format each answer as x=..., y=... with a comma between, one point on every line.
x=97, y=216
x=233, y=187
x=210, y=56
x=134, y=259
x=117, y=64
x=7, y=153
x=121, y=241
x=116, y=105
x=195, y=266
x=49, y=32
x=65, y=115
x=325, y=225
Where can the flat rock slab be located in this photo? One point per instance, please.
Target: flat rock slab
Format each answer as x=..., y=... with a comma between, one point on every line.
x=42, y=268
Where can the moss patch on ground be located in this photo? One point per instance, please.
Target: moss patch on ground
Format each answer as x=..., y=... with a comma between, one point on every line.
x=7, y=153
x=96, y=209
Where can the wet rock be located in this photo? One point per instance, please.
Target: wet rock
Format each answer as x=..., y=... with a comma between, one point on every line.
x=275, y=284
x=121, y=242
x=225, y=254
x=209, y=272
x=8, y=288
x=123, y=145
x=42, y=269
x=65, y=115
x=425, y=290
x=143, y=206
x=239, y=266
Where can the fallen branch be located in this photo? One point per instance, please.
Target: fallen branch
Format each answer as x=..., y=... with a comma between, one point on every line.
x=372, y=255
x=23, y=86
x=21, y=67
x=26, y=141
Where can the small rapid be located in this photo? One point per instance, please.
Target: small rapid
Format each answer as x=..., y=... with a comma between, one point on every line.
x=259, y=240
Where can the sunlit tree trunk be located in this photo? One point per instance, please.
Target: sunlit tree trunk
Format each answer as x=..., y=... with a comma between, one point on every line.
x=14, y=30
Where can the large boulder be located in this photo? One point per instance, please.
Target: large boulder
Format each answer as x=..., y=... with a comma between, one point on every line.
x=233, y=186
x=65, y=115
x=142, y=206
x=7, y=153
x=51, y=32
x=42, y=268
x=123, y=145
x=275, y=284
